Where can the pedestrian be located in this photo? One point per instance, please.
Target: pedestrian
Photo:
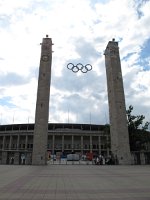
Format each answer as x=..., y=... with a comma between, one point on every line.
x=97, y=160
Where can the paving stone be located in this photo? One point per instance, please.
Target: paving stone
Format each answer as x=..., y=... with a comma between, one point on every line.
x=74, y=182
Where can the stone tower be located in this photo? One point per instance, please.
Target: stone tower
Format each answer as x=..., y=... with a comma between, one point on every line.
x=117, y=109
x=39, y=155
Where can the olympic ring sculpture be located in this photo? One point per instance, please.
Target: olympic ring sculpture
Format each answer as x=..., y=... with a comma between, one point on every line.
x=79, y=67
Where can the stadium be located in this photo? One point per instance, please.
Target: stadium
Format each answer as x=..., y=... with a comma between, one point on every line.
x=16, y=141
x=86, y=140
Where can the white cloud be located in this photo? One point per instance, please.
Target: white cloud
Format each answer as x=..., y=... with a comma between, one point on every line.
x=80, y=31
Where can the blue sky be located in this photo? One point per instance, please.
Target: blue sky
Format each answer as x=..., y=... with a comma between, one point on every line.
x=80, y=31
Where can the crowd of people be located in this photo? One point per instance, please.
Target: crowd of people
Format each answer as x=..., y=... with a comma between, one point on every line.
x=101, y=160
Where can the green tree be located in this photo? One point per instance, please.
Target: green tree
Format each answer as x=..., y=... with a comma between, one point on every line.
x=138, y=134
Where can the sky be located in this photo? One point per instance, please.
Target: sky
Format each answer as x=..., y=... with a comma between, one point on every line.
x=80, y=31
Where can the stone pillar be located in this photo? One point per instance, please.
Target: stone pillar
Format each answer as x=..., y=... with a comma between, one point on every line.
x=91, y=145
x=107, y=146
x=18, y=141
x=10, y=142
x=4, y=142
x=142, y=157
x=39, y=155
x=132, y=159
x=16, y=158
x=53, y=145
x=72, y=143
x=26, y=142
x=62, y=143
x=4, y=157
x=82, y=144
x=117, y=109
x=99, y=144
x=28, y=159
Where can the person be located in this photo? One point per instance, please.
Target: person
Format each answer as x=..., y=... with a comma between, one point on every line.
x=108, y=160
x=116, y=160
x=101, y=159
x=97, y=160
x=11, y=160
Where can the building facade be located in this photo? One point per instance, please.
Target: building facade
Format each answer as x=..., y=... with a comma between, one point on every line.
x=16, y=141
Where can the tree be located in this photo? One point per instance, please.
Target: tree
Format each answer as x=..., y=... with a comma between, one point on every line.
x=138, y=134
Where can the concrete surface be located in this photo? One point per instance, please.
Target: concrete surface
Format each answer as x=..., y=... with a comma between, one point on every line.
x=74, y=182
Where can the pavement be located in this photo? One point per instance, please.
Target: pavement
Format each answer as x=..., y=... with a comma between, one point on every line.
x=74, y=182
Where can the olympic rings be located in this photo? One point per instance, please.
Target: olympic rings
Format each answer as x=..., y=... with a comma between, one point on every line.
x=79, y=67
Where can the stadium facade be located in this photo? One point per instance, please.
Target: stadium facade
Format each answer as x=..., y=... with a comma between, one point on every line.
x=16, y=142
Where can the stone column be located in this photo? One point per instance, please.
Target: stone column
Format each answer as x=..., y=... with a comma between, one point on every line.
x=4, y=157
x=18, y=141
x=132, y=159
x=16, y=158
x=117, y=109
x=91, y=145
x=82, y=144
x=62, y=143
x=3, y=142
x=53, y=145
x=39, y=155
x=10, y=142
x=26, y=142
x=142, y=158
x=99, y=144
x=72, y=143
x=28, y=159
x=107, y=146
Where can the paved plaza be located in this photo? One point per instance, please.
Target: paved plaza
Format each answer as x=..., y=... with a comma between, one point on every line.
x=74, y=182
